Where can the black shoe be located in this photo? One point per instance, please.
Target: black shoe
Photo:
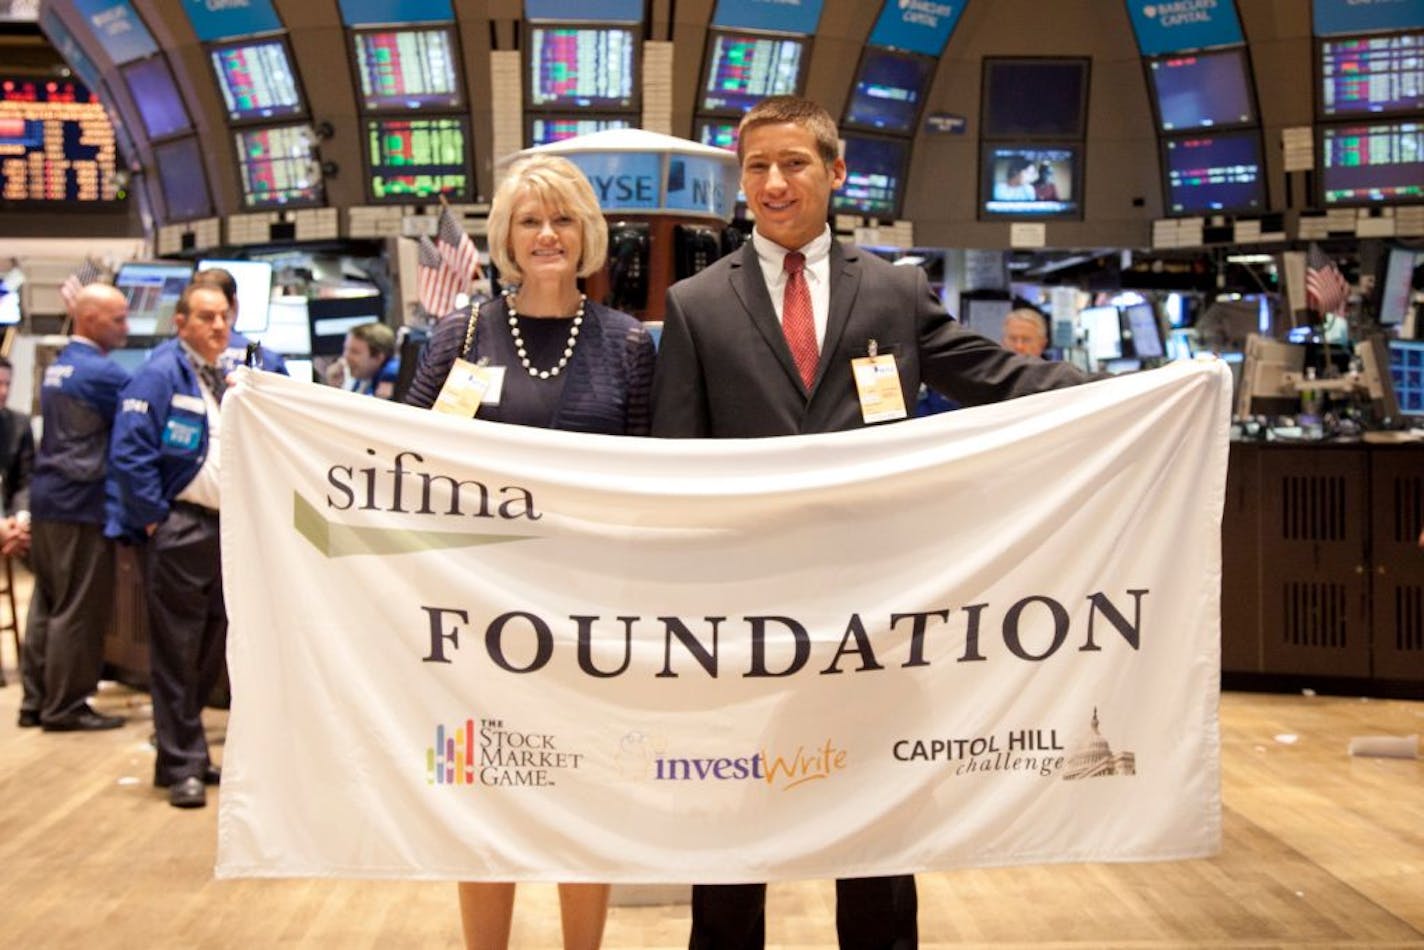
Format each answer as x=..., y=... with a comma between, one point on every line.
x=85, y=720
x=212, y=775
x=188, y=793
x=29, y=718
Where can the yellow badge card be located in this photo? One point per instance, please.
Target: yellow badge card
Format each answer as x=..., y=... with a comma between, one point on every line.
x=466, y=387
x=879, y=383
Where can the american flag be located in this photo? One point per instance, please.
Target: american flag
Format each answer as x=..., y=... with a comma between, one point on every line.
x=1326, y=289
x=462, y=259
x=87, y=273
x=436, y=293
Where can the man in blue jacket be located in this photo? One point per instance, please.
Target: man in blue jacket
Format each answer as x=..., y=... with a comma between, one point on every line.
x=72, y=561
x=164, y=472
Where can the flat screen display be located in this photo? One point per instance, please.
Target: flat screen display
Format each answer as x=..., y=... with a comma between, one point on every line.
x=1220, y=171
x=1378, y=163
x=889, y=91
x=156, y=95
x=1396, y=294
x=1103, y=325
x=1146, y=332
x=1202, y=90
x=254, y=291
x=546, y=129
x=587, y=67
x=717, y=134
x=331, y=318
x=182, y=180
x=1406, y=370
x=56, y=145
x=1038, y=98
x=875, y=176
x=1030, y=181
x=256, y=80
x=1371, y=75
x=278, y=166
x=407, y=69
x=152, y=290
x=744, y=68
x=415, y=159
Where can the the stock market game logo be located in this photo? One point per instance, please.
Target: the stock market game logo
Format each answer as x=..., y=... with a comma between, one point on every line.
x=490, y=753
x=451, y=759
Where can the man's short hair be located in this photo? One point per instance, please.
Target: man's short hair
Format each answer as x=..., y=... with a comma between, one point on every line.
x=805, y=113
x=378, y=338
x=222, y=280
x=184, y=305
x=1029, y=315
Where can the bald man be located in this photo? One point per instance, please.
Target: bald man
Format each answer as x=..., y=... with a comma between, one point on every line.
x=73, y=562
x=1025, y=332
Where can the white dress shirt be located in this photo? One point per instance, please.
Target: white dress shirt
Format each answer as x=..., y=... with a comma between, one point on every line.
x=818, y=276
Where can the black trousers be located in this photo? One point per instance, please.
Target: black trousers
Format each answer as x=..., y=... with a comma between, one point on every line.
x=73, y=599
x=187, y=632
x=872, y=913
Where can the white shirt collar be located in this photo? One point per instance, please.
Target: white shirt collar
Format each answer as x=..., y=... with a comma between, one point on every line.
x=774, y=255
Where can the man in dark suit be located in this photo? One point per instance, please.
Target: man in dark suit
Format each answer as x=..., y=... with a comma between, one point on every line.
x=17, y=459
x=770, y=341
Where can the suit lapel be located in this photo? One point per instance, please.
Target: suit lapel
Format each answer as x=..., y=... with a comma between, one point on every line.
x=750, y=288
x=845, y=284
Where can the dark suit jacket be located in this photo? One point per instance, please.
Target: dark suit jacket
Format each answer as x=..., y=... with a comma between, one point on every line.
x=17, y=458
x=724, y=369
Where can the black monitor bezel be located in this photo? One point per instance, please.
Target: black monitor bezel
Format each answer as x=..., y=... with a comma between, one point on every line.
x=161, y=193
x=903, y=178
x=634, y=105
x=1163, y=143
x=1244, y=55
x=802, y=67
x=1321, y=131
x=162, y=61
x=301, y=110
x=238, y=131
x=986, y=179
x=990, y=62
x=363, y=108
x=1318, y=76
x=929, y=62
x=368, y=166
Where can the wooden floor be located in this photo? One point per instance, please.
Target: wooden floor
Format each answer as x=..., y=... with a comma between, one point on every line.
x=1320, y=850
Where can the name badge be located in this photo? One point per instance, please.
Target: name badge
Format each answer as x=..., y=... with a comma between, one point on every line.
x=183, y=435
x=878, y=381
x=189, y=403
x=467, y=387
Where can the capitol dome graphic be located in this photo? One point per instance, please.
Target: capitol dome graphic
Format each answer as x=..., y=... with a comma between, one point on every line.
x=1094, y=758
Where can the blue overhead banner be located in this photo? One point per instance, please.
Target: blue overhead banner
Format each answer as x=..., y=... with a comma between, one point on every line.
x=1367, y=16
x=379, y=12
x=585, y=11
x=224, y=19
x=63, y=41
x=117, y=29
x=1168, y=26
x=917, y=26
x=782, y=16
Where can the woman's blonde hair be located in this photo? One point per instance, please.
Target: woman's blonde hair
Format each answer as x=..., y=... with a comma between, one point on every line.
x=559, y=185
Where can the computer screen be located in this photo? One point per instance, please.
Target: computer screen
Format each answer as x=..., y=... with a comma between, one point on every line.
x=331, y=318
x=1214, y=171
x=1202, y=90
x=1263, y=389
x=1396, y=294
x=417, y=159
x=152, y=289
x=1030, y=181
x=288, y=329
x=582, y=67
x=717, y=134
x=889, y=91
x=254, y=290
x=155, y=94
x=1034, y=98
x=1146, y=332
x=1103, y=326
x=256, y=80
x=182, y=180
x=57, y=146
x=278, y=167
x=1406, y=370
x=407, y=69
x=1378, y=163
x=984, y=317
x=741, y=69
x=875, y=176
x=546, y=129
x=1371, y=75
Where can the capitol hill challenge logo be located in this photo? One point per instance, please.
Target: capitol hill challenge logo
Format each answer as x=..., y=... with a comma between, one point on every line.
x=1094, y=758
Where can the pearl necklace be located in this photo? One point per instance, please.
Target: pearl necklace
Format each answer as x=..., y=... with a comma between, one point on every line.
x=519, y=342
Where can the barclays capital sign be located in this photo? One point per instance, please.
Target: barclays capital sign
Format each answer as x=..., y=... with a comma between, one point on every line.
x=1169, y=26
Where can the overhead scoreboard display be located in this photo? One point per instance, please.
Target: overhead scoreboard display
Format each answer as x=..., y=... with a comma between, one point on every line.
x=56, y=144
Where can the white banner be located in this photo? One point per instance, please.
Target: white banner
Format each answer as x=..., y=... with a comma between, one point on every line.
x=479, y=651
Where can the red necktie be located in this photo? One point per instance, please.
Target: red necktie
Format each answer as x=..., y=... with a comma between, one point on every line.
x=797, y=321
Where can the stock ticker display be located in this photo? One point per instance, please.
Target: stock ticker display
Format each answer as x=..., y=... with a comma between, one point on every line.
x=56, y=144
